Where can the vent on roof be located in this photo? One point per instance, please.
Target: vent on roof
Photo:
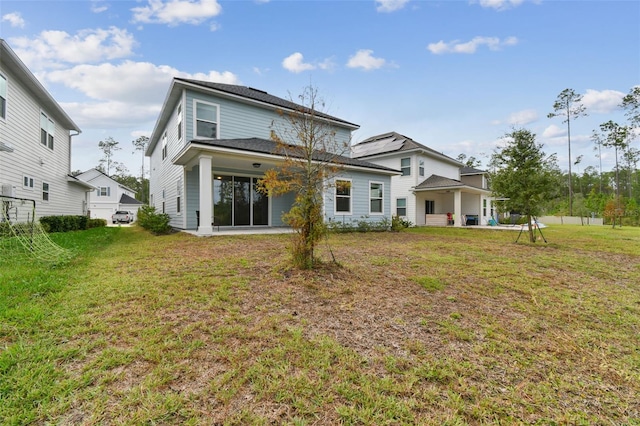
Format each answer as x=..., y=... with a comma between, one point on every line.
x=257, y=90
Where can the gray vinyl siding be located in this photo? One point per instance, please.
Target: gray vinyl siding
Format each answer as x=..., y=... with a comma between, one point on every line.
x=21, y=130
x=165, y=175
x=359, y=198
x=240, y=120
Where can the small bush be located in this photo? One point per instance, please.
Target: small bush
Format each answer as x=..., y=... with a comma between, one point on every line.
x=362, y=225
x=398, y=223
x=96, y=223
x=156, y=223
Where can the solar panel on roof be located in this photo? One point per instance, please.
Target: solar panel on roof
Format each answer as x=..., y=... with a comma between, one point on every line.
x=377, y=147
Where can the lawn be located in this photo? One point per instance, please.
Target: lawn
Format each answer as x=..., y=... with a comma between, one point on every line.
x=428, y=326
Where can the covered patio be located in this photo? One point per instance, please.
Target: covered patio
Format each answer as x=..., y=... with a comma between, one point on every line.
x=442, y=201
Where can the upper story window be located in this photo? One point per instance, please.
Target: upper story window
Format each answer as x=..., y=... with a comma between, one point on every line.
x=375, y=197
x=47, y=130
x=45, y=191
x=179, y=118
x=405, y=166
x=104, y=191
x=3, y=97
x=206, y=120
x=421, y=168
x=343, y=196
x=164, y=145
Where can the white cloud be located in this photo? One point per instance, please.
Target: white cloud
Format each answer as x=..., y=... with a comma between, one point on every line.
x=98, y=7
x=522, y=118
x=131, y=92
x=554, y=131
x=363, y=59
x=493, y=43
x=51, y=48
x=295, y=63
x=14, y=19
x=175, y=12
x=499, y=4
x=390, y=5
x=603, y=101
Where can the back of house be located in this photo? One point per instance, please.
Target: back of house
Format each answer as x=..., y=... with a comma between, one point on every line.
x=212, y=143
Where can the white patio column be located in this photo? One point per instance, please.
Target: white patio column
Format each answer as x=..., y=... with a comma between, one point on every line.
x=206, y=192
x=480, y=210
x=457, y=207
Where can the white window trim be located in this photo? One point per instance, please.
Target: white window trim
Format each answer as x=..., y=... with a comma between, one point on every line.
x=164, y=146
x=48, y=191
x=31, y=185
x=195, y=117
x=420, y=167
x=52, y=123
x=179, y=127
x=381, y=198
x=6, y=96
x=410, y=166
x=405, y=206
x=108, y=192
x=335, y=197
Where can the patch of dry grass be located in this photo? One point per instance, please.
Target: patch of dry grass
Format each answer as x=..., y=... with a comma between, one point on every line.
x=430, y=326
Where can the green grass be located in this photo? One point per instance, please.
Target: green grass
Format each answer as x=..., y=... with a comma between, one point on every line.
x=430, y=326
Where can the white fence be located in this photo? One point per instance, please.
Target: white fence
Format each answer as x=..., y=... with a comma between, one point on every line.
x=570, y=220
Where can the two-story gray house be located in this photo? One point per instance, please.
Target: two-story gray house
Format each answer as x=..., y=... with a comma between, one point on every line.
x=35, y=143
x=211, y=144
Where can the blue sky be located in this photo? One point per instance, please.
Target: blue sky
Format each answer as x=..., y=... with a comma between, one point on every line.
x=452, y=75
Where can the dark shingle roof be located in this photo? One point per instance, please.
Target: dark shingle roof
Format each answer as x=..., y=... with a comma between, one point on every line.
x=266, y=146
x=126, y=199
x=466, y=170
x=261, y=96
x=392, y=142
x=435, y=181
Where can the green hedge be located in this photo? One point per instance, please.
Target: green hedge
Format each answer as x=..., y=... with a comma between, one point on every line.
x=156, y=223
x=70, y=223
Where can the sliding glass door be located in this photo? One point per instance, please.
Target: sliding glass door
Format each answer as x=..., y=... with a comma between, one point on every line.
x=236, y=202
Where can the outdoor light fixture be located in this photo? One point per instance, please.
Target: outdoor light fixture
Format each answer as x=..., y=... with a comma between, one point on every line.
x=256, y=165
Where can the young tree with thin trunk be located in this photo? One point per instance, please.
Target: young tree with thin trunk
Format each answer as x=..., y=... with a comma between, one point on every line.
x=568, y=105
x=613, y=135
x=311, y=159
x=523, y=175
x=140, y=144
x=631, y=103
x=109, y=146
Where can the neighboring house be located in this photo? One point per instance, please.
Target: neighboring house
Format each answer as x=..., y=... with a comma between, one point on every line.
x=211, y=144
x=109, y=195
x=35, y=143
x=433, y=189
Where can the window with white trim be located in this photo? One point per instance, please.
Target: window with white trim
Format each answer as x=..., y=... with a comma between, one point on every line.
x=45, y=191
x=421, y=168
x=164, y=145
x=27, y=182
x=206, y=117
x=401, y=207
x=47, y=130
x=179, y=118
x=3, y=96
x=104, y=191
x=405, y=166
x=376, y=190
x=343, y=196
